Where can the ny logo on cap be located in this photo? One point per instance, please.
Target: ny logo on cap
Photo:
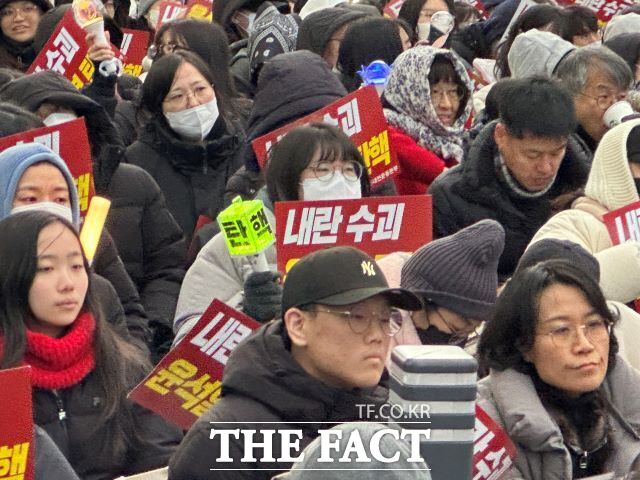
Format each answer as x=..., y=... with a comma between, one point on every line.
x=367, y=268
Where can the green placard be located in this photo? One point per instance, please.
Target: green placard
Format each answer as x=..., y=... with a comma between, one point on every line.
x=245, y=227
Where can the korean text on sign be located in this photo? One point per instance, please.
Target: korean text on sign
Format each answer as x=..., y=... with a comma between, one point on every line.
x=493, y=451
x=376, y=225
x=187, y=381
x=13, y=461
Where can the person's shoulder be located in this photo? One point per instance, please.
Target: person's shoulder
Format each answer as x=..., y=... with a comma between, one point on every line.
x=133, y=182
x=447, y=179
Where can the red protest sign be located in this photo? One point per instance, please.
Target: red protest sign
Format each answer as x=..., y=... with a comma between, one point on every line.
x=360, y=116
x=623, y=224
x=133, y=50
x=187, y=381
x=378, y=226
x=493, y=450
x=392, y=9
x=66, y=53
x=16, y=424
x=70, y=141
x=169, y=10
x=605, y=9
x=200, y=10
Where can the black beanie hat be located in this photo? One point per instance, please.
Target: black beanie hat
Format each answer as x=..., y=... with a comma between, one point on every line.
x=633, y=145
x=459, y=272
x=555, y=249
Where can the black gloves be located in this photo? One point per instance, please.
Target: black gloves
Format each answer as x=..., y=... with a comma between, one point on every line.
x=262, y=295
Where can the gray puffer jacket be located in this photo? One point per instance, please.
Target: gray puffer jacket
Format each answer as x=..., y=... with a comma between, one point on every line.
x=510, y=398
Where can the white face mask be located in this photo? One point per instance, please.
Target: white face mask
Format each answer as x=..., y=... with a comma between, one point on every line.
x=338, y=188
x=63, y=211
x=59, y=117
x=424, y=29
x=194, y=123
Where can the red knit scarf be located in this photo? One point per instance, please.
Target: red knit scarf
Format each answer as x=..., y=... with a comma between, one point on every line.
x=65, y=361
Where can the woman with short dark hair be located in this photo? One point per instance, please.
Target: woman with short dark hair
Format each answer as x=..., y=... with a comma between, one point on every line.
x=556, y=384
x=19, y=21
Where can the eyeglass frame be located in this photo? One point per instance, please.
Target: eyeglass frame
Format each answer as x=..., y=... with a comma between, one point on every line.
x=615, y=97
x=574, y=335
x=29, y=9
x=457, y=336
x=349, y=315
x=156, y=51
x=459, y=95
x=327, y=178
x=192, y=94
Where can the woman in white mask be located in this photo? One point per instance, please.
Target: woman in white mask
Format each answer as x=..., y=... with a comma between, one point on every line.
x=419, y=13
x=312, y=162
x=189, y=139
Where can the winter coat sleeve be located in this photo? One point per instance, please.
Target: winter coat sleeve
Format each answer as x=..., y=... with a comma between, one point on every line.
x=158, y=441
x=102, y=90
x=110, y=305
x=50, y=463
x=107, y=263
x=416, y=163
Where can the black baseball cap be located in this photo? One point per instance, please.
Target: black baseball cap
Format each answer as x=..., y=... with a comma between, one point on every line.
x=341, y=276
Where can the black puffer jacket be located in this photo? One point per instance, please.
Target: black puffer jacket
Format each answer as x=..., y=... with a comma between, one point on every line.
x=191, y=175
x=70, y=417
x=263, y=383
x=148, y=239
x=475, y=190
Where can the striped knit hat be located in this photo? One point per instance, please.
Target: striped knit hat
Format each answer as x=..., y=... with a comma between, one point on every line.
x=459, y=272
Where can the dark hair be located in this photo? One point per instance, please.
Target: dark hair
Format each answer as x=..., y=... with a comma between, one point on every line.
x=627, y=46
x=410, y=11
x=576, y=20
x=291, y=155
x=536, y=16
x=404, y=25
x=537, y=106
x=366, y=40
x=512, y=330
x=442, y=70
x=209, y=42
x=160, y=78
x=118, y=365
x=464, y=11
x=14, y=119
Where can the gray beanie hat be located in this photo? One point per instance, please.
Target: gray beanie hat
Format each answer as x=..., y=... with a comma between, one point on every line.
x=311, y=469
x=459, y=272
x=536, y=52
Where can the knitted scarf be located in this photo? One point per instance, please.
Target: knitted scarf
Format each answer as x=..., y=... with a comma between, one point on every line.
x=65, y=361
x=408, y=92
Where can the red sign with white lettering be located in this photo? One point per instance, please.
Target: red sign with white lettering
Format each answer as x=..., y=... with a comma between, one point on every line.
x=378, y=226
x=623, y=224
x=16, y=424
x=133, y=50
x=493, y=450
x=360, y=117
x=169, y=10
x=187, y=381
x=71, y=142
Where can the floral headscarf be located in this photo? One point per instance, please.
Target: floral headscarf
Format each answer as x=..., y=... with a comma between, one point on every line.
x=409, y=93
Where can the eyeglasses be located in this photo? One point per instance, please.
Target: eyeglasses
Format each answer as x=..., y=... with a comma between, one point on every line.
x=324, y=171
x=606, y=100
x=360, y=320
x=156, y=51
x=454, y=95
x=25, y=9
x=466, y=336
x=179, y=99
x=564, y=336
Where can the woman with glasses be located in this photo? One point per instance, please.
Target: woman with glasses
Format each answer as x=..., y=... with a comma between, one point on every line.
x=190, y=137
x=557, y=386
x=427, y=104
x=312, y=162
x=19, y=21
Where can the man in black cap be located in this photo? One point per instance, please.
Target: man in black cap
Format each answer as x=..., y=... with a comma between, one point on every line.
x=316, y=367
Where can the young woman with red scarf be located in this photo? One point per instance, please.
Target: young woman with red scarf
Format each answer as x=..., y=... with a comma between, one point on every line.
x=81, y=370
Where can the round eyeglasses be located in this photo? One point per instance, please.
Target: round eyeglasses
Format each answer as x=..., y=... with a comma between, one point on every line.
x=360, y=319
x=565, y=336
x=324, y=171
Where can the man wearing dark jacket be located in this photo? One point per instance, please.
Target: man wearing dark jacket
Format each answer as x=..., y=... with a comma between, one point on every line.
x=514, y=169
x=316, y=367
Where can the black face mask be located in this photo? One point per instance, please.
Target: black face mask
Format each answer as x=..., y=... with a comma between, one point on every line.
x=432, y=336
